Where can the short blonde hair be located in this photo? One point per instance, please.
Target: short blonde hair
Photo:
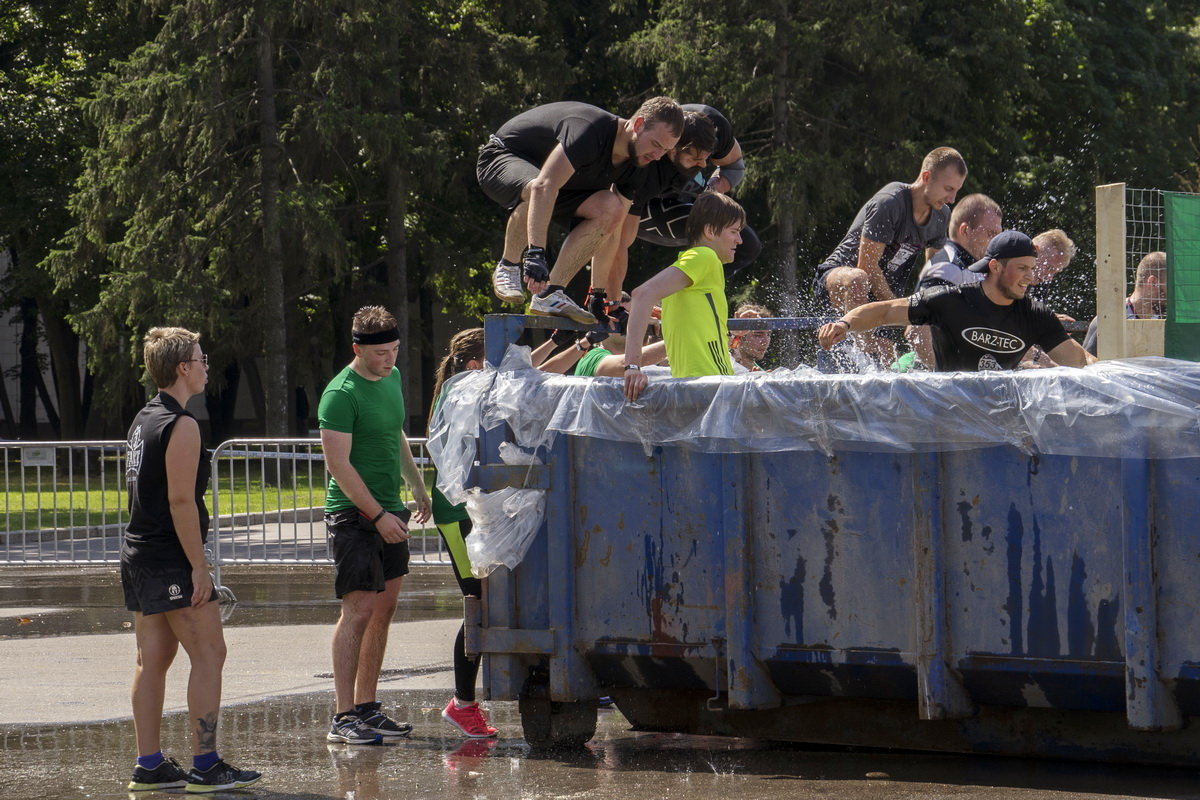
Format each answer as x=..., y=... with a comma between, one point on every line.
x=163, y=349
x=1058, y=239
x=1151, y=264
x=942, y=157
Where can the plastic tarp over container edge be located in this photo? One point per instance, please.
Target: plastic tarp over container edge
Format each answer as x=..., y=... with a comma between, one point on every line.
x=1137, y=408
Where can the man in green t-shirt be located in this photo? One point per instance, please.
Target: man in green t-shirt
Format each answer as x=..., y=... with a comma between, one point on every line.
x=692, y=294
x=361, y=417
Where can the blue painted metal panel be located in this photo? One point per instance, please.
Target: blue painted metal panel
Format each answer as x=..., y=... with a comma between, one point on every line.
x=969, y=584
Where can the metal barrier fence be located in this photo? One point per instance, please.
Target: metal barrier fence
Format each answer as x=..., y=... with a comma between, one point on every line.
x=267, y=501
x=66, y=503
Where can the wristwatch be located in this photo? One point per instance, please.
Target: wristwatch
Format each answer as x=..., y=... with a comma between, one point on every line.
x=632, y=366
x=579, y=345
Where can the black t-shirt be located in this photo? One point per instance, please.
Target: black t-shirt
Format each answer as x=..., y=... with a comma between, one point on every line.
x=587, y=134
x=971, y=333
x=663, y=179
x=151, y=532
x=888, y=217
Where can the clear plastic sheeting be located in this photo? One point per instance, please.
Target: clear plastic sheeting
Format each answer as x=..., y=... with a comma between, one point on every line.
x=503, y=526
x=1138, y=408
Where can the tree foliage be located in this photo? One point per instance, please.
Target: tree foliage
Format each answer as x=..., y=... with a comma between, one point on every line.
x=174, y=152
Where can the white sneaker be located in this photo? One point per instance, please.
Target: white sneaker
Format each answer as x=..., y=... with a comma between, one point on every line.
x=506, y=283
x=557, y=304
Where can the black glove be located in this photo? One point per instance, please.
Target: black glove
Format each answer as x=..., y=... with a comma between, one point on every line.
x=620, y=317
x=596, y=337
x=596, y=305
x=534, y=265
x=564, y=338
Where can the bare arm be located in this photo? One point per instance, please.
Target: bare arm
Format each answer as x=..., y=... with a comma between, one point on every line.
x=543, y=191
x=181, y=459
x=415, y=480
x=869, y=253
x=337, y=460
x=864, y=318
x=614, y=366
x=644, y=298
x=540, y=353
x=561, y=362
x=718, y=184
x=1071, y=354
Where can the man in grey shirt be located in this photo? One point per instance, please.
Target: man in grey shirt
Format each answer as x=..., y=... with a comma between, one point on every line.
x=901, y=226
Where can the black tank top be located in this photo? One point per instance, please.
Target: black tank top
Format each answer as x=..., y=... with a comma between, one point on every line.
x=151, y=531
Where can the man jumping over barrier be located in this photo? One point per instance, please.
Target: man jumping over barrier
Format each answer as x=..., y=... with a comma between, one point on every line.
x=708, y=157
x=574, y=164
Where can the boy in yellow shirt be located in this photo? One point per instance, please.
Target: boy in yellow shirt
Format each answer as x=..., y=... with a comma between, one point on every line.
x=692, y=294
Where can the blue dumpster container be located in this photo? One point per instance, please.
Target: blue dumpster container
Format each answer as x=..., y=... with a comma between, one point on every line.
x=998, y=563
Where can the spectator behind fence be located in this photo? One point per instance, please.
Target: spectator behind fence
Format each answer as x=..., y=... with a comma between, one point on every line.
x=361, y=416
x=164, y=572
x=692, y=293
x=1147, y=301
x=979, y=326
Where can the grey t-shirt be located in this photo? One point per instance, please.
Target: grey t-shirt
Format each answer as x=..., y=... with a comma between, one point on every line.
x=888, y=217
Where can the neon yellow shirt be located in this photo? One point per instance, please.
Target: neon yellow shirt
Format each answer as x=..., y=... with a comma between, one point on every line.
x=693, y=319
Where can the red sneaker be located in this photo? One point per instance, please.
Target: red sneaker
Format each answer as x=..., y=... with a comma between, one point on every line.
x=468, y=719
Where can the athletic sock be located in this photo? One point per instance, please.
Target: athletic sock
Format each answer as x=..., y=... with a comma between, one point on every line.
x=205, y=761
x=464, y=703
x=551, y=289
x=504, y=262
x=151, y=761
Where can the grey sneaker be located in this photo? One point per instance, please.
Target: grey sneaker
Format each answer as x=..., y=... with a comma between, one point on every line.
x=373, y=717
x=506, y=283
x=351, y=730
x=557, y=304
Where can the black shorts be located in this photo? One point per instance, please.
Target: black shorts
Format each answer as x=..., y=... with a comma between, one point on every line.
x=154, y=589
x=503, y=174
x=364, y=561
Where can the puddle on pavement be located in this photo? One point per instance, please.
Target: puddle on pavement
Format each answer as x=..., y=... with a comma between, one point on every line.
x=285, y=739
x=83, y=600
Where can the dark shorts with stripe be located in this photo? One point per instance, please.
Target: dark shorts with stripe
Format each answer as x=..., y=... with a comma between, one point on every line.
x=156, y=588
x=364, y=561
x=503, y=175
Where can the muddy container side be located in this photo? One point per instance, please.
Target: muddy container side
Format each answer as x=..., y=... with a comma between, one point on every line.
x=979, y=600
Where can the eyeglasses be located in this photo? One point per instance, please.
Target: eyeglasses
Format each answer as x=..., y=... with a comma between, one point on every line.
x=203, y=359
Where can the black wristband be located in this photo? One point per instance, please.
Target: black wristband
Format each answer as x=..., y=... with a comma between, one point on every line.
x=379, y=516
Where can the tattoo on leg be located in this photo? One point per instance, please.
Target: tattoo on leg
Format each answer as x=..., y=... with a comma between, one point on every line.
x=206, y=732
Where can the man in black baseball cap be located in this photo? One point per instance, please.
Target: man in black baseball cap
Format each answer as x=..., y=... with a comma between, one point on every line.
x=980, y=326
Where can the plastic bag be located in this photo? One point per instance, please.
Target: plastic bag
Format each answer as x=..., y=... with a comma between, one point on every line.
x=503, y=525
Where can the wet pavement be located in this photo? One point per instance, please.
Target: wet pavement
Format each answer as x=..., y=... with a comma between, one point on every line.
x=72, y=610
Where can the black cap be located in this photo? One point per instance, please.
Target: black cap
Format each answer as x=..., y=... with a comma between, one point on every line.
x=1006, y=244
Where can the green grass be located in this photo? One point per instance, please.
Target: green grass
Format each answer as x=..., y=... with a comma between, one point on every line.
x=46, y=501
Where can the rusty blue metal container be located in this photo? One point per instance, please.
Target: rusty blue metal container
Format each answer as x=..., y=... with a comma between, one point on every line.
x=988, y=599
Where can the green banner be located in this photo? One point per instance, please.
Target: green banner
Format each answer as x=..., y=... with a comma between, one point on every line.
x=1182, y=217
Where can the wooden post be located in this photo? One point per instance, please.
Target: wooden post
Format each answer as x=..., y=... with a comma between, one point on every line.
x=1110, y=270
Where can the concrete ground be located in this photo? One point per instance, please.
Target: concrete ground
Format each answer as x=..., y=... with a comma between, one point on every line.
x=66, y=660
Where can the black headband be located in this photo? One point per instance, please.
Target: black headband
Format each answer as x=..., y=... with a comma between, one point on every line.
x=379, y=337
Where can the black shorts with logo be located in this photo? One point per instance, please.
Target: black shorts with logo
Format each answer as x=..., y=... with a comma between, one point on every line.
x=156, y=588
x=364, y=561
